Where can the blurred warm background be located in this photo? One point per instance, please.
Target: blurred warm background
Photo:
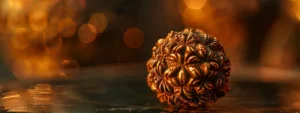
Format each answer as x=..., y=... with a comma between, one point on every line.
x=54, y=39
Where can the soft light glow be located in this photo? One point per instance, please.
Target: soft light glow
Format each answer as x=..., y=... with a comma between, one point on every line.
x=74, y=6
x=22, y=69
x=52, y=41
x=43, y=87
x=2, y=24
x=69, y=68
x=42, y=67
x=15, y=21
x=82, y=3
x=45, y=67
x=41, y=96
x=12, y=102
x=33, y=30
x=192, y=17
x=44, y=5
x=87, y=33
x=50, y=32
x=67, y=28
x=248, y=5
x=296, y=8
x=69, y=64
x=195, y=4
x=11, y=95
x=99, y=21
x=134, y=37
x=53, y=44
x=278, y=39
x=290, y=97
x=21, y=38
x=38, y=20
x=14, y=6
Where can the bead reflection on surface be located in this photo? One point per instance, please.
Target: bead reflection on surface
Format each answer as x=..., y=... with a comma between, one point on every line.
x=69, y=68
x=41, y=97
x=12, y=102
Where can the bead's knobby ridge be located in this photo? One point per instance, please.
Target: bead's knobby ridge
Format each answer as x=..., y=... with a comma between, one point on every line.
x=188, y=69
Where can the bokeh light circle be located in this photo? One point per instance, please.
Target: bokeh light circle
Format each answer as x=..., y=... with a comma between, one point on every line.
x=87, y=33
x=45, y=67
x=38, y=20
x=15, y=21
x=22, y=69
x=21, y=38
x=52, y=41
x=99, y=21
x=192, y=17
x=133, y=37
x=53, y=44
x=67, y=28
x=296, y=9
x=195, y=4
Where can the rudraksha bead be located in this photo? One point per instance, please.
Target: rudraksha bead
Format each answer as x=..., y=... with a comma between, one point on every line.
x=188, y=69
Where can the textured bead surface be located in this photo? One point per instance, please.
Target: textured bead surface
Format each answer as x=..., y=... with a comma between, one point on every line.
x=188, y=69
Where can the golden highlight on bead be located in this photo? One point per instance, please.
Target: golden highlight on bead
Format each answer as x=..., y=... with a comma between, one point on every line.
x=188, y=69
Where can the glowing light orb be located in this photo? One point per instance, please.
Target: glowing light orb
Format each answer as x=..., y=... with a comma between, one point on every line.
x=53, y=44
x=38, y=20
x=15, y=21
x=133, y=37
x=195, y=4
x=192, y=17
x=99, y=21
x=21, y=38
x=87, y=33
x=22, y=69
x=67, y=28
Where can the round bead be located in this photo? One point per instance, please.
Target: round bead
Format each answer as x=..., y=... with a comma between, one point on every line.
x=188, y=69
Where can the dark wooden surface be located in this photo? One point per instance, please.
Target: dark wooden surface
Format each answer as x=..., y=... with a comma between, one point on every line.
x=123, y=88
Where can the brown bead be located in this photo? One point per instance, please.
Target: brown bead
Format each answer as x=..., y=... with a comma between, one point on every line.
x=188, y=69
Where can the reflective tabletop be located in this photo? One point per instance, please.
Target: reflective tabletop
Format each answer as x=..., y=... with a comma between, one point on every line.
x=123, y=89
